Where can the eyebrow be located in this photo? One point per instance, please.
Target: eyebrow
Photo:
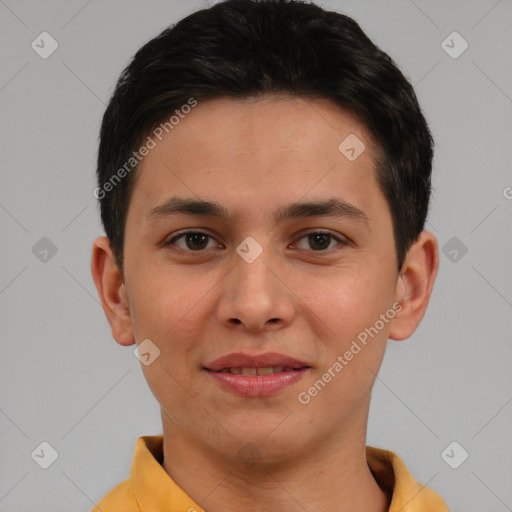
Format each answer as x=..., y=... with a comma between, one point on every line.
x=333, y=207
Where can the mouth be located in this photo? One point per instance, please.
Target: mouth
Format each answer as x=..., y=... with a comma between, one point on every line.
x=256, y=375
x=269, y=370
x=267, y=363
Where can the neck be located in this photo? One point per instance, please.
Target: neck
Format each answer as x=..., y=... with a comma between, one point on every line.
x=328, y=478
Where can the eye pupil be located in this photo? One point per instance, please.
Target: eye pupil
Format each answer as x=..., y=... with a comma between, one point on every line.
x=197, y=239
x=318, y=238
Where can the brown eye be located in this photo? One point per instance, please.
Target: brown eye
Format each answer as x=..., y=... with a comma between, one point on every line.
x=319, y=241
x=192, y=241
x=196, y=240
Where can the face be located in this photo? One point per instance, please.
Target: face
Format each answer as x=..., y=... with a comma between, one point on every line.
x=255, y=283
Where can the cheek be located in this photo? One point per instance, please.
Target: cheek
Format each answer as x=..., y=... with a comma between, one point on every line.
x=350, y=307
x=346, y=302
x=165, y=309
x=158, y=302
x=173, y=309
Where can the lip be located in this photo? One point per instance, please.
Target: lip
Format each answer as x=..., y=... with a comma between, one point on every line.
x=256, y=385
x=242, y=360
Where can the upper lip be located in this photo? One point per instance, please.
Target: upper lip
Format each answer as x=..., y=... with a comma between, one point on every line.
x=265, y=360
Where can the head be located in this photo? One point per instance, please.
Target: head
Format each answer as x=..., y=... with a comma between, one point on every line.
x=281, y=122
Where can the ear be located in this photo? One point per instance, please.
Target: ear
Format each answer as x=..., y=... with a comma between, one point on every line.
x=414, y=285
x=111, y=289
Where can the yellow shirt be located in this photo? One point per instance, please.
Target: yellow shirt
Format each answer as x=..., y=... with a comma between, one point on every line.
x=151, y=489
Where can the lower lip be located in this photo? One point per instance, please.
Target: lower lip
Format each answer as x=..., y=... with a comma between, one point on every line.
x=258, y=385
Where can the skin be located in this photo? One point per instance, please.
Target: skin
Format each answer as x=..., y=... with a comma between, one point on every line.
x=302, y=298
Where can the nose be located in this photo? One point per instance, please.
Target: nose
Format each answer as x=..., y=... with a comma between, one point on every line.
x=256, y=297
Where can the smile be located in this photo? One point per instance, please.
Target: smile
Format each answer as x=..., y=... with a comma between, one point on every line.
x=269, y=370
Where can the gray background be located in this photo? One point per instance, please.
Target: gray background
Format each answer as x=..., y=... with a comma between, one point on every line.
x=64, y=380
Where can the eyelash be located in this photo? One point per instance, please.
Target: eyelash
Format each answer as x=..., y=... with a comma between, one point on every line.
x=340, y=241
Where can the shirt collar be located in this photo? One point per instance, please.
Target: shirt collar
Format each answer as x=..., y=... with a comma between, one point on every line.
x=154, y=489
x=394, y=478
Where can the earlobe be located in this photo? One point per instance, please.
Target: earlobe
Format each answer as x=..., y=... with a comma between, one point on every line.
x=112, y=291
x=414, y=285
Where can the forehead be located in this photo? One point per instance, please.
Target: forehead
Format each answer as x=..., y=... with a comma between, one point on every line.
x=271, y=122
x=263, y=149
